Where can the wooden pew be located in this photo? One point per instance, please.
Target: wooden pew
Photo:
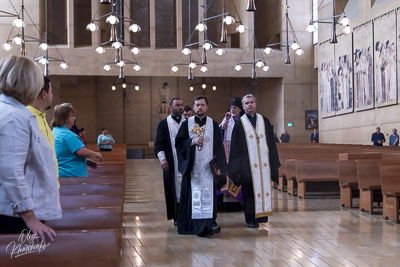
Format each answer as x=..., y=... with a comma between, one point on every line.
x=91, y=201
x=109, y=179
x=91, y=189
x=347, y=173
x=71, y=248
x=314, y=171
x=390, y=182
x=369, y=184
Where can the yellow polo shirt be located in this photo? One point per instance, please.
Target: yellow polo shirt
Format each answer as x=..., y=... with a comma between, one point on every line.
x=46, y=131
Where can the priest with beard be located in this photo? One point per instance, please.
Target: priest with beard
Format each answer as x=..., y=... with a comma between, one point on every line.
x=166, y=153
x=254, y=162
x=197, y=143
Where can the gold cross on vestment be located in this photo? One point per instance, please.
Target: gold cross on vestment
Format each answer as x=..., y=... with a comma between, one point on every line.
x=258, y=195
x=267, y=194
x=197, y=130
x=258, y=138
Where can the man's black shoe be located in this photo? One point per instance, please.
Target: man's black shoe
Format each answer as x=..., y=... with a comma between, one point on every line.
x=252, y=225
x=216, y=230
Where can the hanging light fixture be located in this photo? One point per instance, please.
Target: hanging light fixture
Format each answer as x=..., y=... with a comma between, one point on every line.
x=343, y=20
x=287, y=43
x=203, y=85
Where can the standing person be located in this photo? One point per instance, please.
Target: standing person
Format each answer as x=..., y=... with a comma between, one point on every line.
x=105, y=140
x=187, y=112
x=42, y=103
x=285, y=137
x=254, y=162
x=82, y=134
x=28, y=180
x=70, y=150
x=197, y=143
x=377, y=138
x=232, y=195
x=314, y=138
x=394, y=138
x=166, y=153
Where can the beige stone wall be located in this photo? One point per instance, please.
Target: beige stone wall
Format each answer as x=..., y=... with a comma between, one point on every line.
x=357, y=127
x=283, y=93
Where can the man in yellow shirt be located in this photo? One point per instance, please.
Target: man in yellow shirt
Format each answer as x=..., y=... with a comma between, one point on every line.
x=42, y=103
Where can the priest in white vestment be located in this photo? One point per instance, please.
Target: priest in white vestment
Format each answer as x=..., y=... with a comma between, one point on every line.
x=254, y=162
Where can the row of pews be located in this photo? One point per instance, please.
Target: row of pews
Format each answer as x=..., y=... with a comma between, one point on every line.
x=372, y=173
x=90, y=231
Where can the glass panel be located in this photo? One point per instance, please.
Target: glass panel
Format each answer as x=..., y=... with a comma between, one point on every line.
x=57, y=22
x=82, y=17
x=140, y=14
x=165, y=23
x=194, y=19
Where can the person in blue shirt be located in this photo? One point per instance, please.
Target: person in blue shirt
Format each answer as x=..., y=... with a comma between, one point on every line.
x=377, y=137
x=70, y=149
x=105, y=141
x=394, y=138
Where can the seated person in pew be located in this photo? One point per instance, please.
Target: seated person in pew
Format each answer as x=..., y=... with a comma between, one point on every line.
x=28, y=180
x=71, y=151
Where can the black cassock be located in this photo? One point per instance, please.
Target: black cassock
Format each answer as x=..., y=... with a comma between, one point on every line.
x=186, y=156
x=239, y=165
x=163, y=143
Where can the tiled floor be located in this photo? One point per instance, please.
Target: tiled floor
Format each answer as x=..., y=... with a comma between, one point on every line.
x=310, y=232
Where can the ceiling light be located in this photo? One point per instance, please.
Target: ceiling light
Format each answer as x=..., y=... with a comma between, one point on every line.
x=299, y=52
x=137, y=87
x=295, y=46
x=260, y=64
x=137, y=68
x=238, y=67
x=17, y=40
x=124, y=85
x=92, y=27
x=19, y=23
x=345, y=21
x=201, y=27
x=203, y=69
x=241, y=28
x=43, y=46
x=116, y=45
x=220, y=52
x=113, y=87
x=311, y=28
x=191, y=88
x=121, y=64
x=207, y=46
x=135, y=50
x=100, y=50
x=174, y=69
x=135, y=28
x=7, y=47
x=186, y=51
x=192, y=65
x=204, y=86
x=266, y=68
x=229, y=20
x=347, y=29
x=43, y=61
x=268, y=50
x=214, y=88
x=112, y=19
x=107, y=67
x=64, y=65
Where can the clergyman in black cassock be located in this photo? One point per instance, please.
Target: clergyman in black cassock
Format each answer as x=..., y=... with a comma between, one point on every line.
x=164, y=150
x=188, y=150
x=240, y=169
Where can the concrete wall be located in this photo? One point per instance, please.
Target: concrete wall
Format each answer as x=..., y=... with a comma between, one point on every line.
x=283, y=93
x=357, y=127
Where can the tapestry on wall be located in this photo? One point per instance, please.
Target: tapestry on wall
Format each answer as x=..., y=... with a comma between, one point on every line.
x=327, y=90
x=385, y=59
x=344, y=74
x=363, y=66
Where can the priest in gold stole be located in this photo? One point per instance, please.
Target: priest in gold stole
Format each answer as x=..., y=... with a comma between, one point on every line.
x=197, y=143
x=254, y=162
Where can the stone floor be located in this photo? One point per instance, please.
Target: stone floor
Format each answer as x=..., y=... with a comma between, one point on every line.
x=310, y=232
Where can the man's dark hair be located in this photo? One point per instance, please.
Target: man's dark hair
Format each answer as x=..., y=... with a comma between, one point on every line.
x=172, y=101
x=81, y=130
x=46, y=86
x=187, y=108
x=200, y=97
x=105, y=128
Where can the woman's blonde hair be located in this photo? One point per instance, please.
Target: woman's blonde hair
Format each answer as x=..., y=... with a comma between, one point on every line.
x=60, y=115
x=20, y=78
